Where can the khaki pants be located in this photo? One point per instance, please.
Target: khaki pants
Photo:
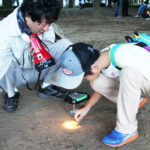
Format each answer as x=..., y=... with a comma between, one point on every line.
x=126, y=93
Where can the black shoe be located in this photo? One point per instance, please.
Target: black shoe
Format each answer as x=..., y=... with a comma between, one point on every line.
x=52, y=91
x=11, y=103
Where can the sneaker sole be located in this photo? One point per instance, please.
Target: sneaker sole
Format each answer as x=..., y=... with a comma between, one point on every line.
x=125, y=142
x=47, y=96
x=9, y=110
x=142, y=102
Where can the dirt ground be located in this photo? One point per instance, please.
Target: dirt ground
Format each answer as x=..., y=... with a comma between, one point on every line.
x=38, y=123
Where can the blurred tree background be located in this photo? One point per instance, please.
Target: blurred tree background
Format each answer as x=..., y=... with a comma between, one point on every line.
x=73, y=3
x=7, y=6
x=9, y=3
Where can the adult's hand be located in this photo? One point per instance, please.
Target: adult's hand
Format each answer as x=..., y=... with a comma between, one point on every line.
x=31, y=49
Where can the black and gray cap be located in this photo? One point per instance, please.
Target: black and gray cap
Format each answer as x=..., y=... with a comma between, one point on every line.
x=77, y=59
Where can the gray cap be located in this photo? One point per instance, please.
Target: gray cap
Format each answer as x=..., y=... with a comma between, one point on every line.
x=77, y=59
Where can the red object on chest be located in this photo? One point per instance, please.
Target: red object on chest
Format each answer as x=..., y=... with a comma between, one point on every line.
x=42, y=58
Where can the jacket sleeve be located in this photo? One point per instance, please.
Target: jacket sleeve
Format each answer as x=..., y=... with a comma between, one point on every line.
x=58, y=31
x=6, y=56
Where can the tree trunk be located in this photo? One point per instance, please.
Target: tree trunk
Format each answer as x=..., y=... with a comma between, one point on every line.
x=7, y=3
x=96, y=8
x=61, y=3
x=71, y=3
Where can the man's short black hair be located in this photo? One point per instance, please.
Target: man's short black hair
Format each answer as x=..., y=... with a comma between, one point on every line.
x=38, y=9
x=88, y=71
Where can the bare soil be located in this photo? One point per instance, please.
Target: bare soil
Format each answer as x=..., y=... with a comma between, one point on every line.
x=38, y=122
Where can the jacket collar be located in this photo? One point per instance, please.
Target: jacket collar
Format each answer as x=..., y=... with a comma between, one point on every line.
x=15, y=31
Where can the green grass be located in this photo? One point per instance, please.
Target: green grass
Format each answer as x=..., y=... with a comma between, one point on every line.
x=66, y=8
x=135, y=5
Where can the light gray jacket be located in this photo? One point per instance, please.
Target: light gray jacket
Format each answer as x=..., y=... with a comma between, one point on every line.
x=14, y=46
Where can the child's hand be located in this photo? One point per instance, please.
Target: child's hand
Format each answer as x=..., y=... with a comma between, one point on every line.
x=81, y=113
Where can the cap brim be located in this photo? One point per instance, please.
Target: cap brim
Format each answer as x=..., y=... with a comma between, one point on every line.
x=69, y=82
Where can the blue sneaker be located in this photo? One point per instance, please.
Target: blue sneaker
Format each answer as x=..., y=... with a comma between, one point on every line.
x=117, y=139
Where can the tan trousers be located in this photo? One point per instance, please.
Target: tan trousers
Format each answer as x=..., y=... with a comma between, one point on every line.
x=126, y=93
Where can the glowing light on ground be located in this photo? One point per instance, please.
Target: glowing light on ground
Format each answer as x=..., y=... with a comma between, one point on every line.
x=71, y=125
